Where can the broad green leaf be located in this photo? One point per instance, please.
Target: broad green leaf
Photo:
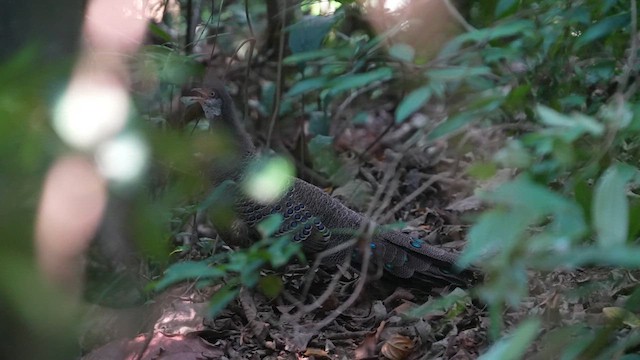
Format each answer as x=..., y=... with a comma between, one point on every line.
x=514, y=155
x=222, y=298
x=619, y=115
x=187, y=270
x=617, y=313
x=634, y=214
x=583, y=193
x=308, y=33
x=617, y=255
x=217, y=194
x=412, y=102
x=517, y=96
x=319, y=123
x=505, y=6
x=577, y=123
x=269, y=225
x=323, y=156
x=512, y=28
x=482, y=170
x=603, y=28
x=523, y=193
x=610, y=210
x=444, y=303
x=281, y=250
x=457, y=73
x=352, y=81
x=402, y=52
x=307, y=85
x=159, y=32
x=495, y=230
x=515, y=345
x=311, y=55
x=271, y=286
x=451, y=125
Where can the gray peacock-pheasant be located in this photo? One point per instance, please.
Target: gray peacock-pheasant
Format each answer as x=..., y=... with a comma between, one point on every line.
x=314, y=218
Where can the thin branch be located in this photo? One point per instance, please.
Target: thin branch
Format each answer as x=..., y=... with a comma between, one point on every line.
x=276, y=107
x=458, y=17
x=245, y=93
x=633, y=53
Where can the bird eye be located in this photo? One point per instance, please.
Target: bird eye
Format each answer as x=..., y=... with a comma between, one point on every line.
x=213, y=94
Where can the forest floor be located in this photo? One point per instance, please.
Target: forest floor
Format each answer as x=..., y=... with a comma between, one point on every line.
x=386, y=317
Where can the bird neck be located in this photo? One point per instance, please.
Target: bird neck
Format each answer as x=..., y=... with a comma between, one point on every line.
x=230, y=122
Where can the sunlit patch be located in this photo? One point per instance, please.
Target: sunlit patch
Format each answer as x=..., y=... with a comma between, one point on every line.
x=322, y=7
x=268, y=180
x=122, y=159
x=393, y=5
x=90, y=112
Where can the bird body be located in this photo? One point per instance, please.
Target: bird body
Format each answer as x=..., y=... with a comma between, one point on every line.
x=317, y=220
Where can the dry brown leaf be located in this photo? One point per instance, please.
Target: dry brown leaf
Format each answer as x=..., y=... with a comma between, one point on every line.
x=399, y=347
x=318, y=353
x=367, y=348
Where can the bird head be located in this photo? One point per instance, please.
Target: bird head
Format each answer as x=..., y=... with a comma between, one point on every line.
x=210, y=100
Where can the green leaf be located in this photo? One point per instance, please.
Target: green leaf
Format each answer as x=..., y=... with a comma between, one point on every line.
x=583, y=194
x=457, y=72
x=452, y=124
x=508, y=29
x=516, y=98
x=269, y=225
x=490, y=234
x=514, y=345
x=482, y=171
x=575, y=125
x=412, y=102
x=310, y=55
x=625, y=316
x=323, y=156
x=514, y=155
x=505, y=6
x=308, y=33
x=319, y=123
x=271, y=286
x=402, y=52
x=603, y=28
x=217, y=195
x=353, y=81
x=619, y=256
x=282, y=249
x=520, y=204
x=159, y=32
x=308, y=85
x=634, y=226
x=222, y=298
x=610, y=210
x=188, y=270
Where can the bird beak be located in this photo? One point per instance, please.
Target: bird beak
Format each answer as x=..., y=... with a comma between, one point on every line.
x=212, y=107
x=202, y=92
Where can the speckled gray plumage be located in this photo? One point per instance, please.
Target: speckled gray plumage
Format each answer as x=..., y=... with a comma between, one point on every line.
x=320, y=222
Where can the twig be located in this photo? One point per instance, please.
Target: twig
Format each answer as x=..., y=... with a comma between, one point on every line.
x=340, y=109
x=215, y=41
x=633, y=53
x=245, y=93
x=457, y=16
x=364, y=270
x=316, y=264
x=276, y=107
x=411, y=197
